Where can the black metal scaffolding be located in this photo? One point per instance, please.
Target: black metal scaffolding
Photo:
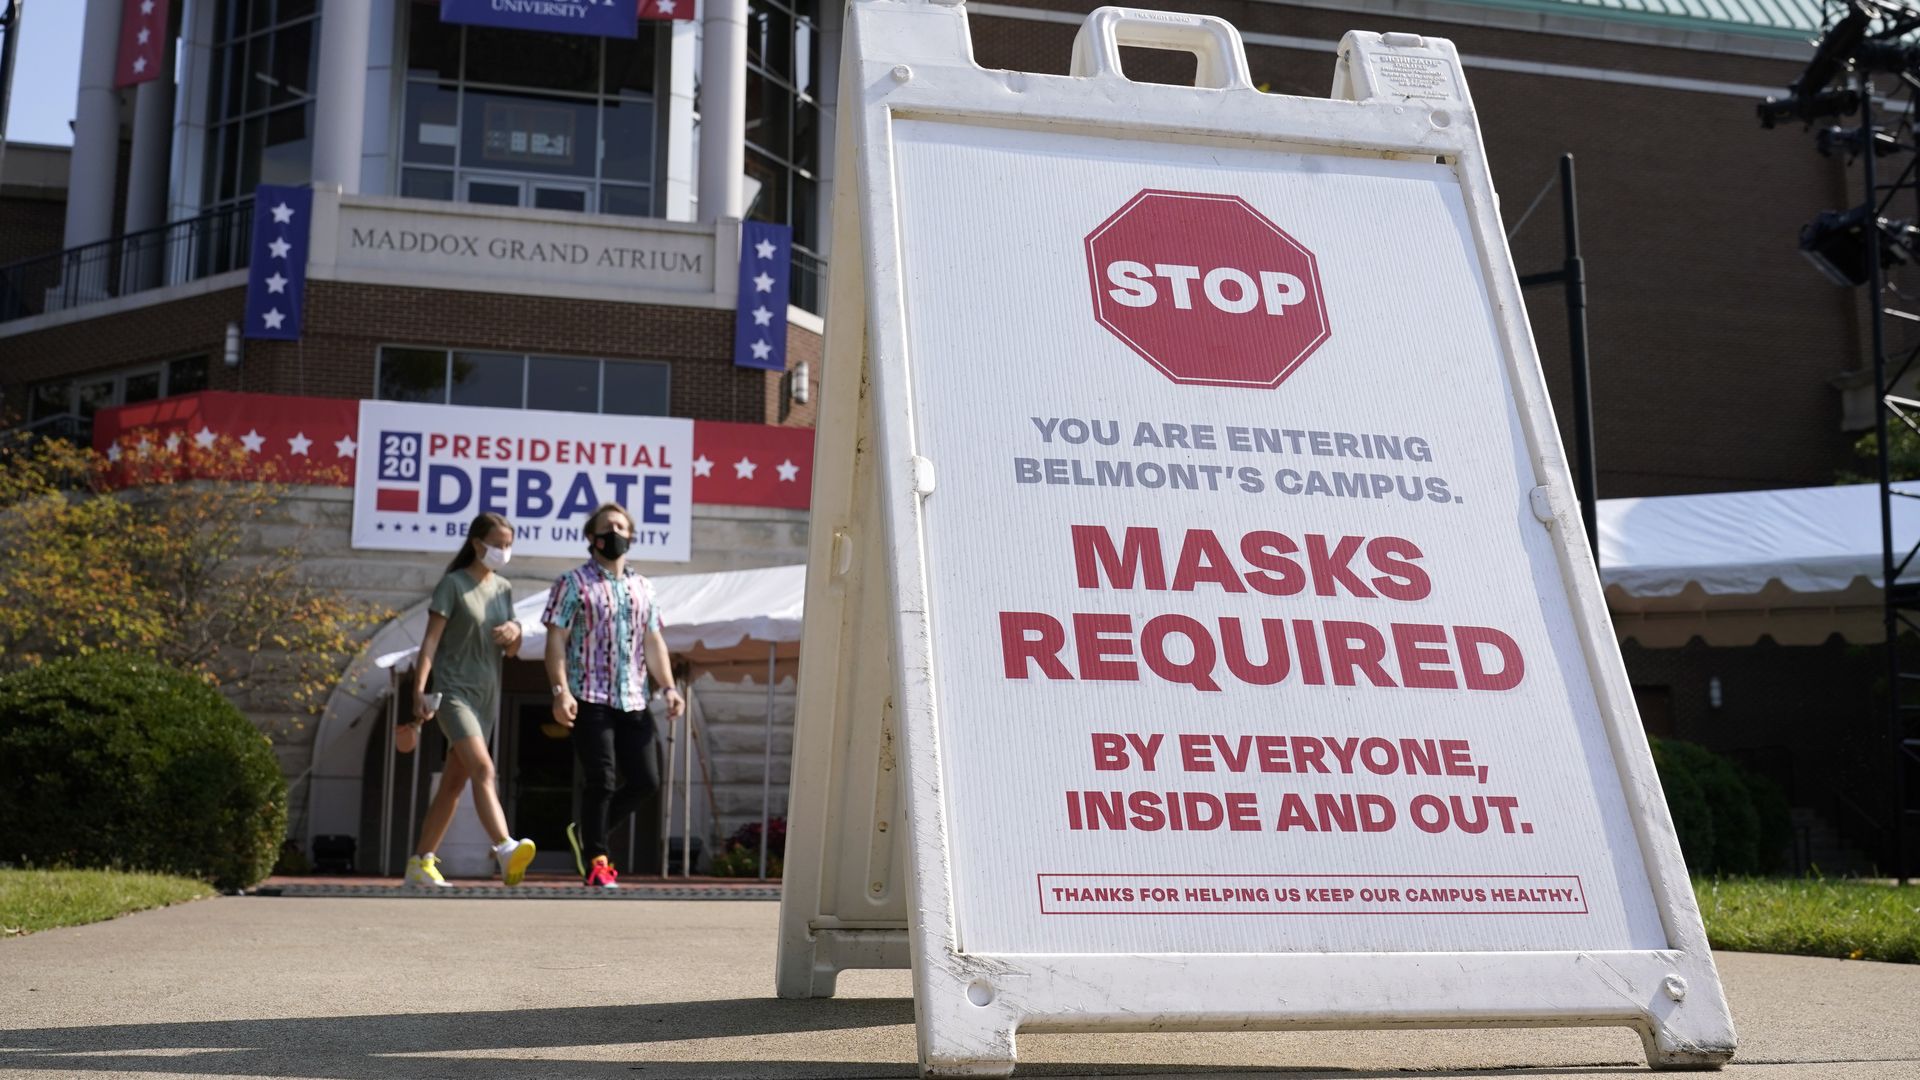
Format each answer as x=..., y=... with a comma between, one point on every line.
x=1859, y=246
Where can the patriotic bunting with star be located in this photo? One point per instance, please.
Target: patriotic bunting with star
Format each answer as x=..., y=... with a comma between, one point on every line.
x=766, y=272
x=310, y=440
x=277, y=278
x=667, y=10
x=143, y=36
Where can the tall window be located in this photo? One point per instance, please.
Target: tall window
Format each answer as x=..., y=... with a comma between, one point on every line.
x=260, y=112
x=783, y=127
x=516, y=381
x=514, y=118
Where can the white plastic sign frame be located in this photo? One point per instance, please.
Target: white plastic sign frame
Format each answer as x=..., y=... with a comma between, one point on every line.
x=870, y=878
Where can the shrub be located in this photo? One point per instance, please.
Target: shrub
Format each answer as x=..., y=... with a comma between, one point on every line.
x=1730, y=821
x=109, y=761
x=739, y=854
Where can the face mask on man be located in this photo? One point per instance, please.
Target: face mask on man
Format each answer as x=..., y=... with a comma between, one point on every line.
x=611, y=544
x=494, y=558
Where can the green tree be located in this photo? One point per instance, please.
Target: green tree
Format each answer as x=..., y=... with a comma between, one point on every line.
x=156, y=554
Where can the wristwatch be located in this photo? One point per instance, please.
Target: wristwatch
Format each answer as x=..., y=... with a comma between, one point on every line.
x=559, y=688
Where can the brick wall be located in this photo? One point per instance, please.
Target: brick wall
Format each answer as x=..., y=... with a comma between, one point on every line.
x=347, y=323
x=30, y=227
x=1712, y=341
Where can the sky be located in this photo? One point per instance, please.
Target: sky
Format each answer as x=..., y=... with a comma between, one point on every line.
x=46, y=74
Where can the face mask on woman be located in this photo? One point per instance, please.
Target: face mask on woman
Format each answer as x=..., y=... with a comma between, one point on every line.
x=494, y=558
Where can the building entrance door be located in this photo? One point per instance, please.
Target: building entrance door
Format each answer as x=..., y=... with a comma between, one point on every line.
x=538, y=194
x=537, y=765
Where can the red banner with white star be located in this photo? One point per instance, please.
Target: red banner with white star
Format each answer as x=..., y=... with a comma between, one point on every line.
x=667, y=10
x=143, y=37
x=311, y=440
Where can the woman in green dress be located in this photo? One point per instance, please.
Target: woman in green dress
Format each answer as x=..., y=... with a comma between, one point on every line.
x=470, y=627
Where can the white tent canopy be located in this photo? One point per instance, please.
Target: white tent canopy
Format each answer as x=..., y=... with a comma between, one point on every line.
x=1796, y=564
x=707, y=615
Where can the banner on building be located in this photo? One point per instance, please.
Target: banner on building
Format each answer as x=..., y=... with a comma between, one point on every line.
x=667, y=10
x=277, y=276
x=143, y=42
x=766, y=277
x=599, y=18
x=425, y=471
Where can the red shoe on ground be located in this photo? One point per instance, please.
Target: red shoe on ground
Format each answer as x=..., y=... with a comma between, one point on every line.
x=602, y=875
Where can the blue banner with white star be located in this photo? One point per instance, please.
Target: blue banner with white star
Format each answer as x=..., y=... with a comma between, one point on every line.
x=766, y=275
x=277, y=276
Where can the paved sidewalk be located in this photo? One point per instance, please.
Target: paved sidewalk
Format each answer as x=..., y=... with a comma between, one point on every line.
x=374, y=989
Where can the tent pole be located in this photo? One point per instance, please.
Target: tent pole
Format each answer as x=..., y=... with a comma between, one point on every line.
x=686, y=794
x=666, y=802
x=386, y=776
x=766, y=763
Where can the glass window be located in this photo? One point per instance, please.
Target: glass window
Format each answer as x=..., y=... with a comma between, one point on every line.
x=563, y=384
x=491, y=194
x=630, y=64
x=493, y=379
x=432, y=123
x=427, y=184
x=628, y=152
x=93, y=397
x=523, y=133
x=433, y=47
x=144, y=386
x=413, y=375
x=628, y=201
x=287, y=157
x=49, y=399
x=290, y=77
x=553, y=198
x=543, y=61
x=496, y=105
x=187, y=375
x=636, y=389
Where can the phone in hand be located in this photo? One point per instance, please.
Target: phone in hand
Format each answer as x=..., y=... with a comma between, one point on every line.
x=431, y=702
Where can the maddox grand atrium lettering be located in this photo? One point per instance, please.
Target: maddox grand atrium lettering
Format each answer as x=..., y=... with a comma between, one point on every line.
x=511, y=249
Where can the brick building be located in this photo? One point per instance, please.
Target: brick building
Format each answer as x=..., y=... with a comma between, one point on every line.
x=1719, y=360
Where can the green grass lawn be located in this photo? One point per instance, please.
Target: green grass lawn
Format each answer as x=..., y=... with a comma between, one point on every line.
x=1850, y=920
x=42, y=899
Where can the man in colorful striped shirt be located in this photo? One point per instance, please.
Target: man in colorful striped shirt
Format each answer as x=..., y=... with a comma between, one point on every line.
x=603, y=637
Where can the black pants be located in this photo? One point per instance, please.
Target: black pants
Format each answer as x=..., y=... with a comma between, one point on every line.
x=612, y=745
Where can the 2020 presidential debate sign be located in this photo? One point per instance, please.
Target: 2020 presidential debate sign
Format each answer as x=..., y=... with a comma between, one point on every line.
x=425, y=471
x=1248, y=659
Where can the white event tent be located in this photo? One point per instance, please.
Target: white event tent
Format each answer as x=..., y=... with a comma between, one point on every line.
x=1794, y=564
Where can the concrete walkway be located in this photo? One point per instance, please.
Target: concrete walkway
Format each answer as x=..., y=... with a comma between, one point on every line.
x=365, y=989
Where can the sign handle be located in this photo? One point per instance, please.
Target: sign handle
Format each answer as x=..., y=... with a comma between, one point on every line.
x=1222, y=58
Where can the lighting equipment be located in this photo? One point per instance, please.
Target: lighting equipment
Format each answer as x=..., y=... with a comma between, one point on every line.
x=1836, y=244
x=1832, y=140
x=1808, y=99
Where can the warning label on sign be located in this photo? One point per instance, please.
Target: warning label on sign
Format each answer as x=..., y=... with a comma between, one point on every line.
x=1310, y=894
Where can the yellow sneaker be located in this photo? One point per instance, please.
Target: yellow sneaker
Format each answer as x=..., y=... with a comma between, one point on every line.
x=424, y=870
x=514, y=856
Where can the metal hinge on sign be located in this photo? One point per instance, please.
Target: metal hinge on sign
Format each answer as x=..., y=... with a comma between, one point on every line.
x=1541, y=499
x=922, y=476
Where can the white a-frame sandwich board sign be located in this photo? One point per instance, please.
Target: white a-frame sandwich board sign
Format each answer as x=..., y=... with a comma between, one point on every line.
x=1200, y=630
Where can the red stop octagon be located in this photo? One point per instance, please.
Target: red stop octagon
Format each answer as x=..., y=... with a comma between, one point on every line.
x=1206, y=289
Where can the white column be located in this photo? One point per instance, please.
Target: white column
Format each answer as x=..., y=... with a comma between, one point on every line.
x=152, y=149
x=96, y=128
x=723, y=109
x=341, y=89
x=378, y=175
x=832, y=21
x=191, y=105
x=680, y=48
x=141, y=262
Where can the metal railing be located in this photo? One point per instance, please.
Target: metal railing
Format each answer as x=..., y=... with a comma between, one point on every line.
x=172, y=254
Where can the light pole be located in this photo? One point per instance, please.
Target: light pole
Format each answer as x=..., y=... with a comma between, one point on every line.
x=9, y=25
